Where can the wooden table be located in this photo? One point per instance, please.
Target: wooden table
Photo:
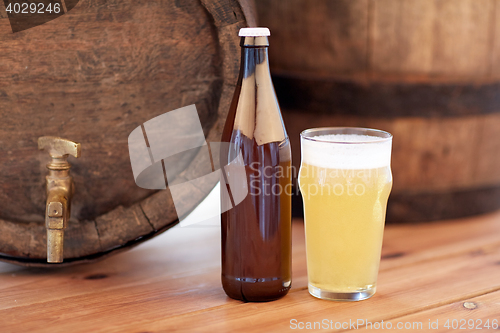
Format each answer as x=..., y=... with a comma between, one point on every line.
x=429, y=273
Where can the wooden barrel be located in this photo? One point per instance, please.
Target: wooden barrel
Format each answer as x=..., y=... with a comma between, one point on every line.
x=93, y=76
x=427, y=71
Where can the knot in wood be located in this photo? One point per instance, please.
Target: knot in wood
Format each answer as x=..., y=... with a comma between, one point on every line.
x=470, y=305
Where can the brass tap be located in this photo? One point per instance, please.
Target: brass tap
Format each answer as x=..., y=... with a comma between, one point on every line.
x=60, y=190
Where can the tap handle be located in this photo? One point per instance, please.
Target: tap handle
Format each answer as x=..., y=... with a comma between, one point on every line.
x=59, y=149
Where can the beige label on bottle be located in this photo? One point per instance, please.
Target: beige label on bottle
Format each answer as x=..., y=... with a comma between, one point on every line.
x=245, y=111
x=257, y=114
x=268, y=125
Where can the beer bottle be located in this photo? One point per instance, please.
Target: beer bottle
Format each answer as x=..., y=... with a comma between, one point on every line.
x=256, y=232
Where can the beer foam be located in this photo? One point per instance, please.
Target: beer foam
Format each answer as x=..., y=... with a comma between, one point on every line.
x=346, y=151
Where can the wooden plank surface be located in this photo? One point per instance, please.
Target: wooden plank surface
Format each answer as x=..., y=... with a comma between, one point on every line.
x=172, y=283
x=478, y=313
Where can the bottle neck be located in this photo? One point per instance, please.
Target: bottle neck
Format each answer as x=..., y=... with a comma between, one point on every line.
x=254, y=41
x=257, y=115
x=254, y=56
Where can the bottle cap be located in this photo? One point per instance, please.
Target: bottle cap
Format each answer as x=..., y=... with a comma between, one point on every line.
x=254, y=32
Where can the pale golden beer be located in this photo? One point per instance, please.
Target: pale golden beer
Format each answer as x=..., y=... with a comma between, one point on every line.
x=345, y=180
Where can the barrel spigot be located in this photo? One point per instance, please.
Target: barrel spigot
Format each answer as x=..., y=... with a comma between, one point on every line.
x=60, y=190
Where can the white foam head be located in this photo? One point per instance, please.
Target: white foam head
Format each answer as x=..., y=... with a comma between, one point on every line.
x=346, y=151
x=254, y=32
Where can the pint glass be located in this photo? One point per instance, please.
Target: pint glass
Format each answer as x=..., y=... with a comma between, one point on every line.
x=345, y=180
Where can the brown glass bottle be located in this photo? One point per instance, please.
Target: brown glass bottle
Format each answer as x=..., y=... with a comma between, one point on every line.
x=256, y=233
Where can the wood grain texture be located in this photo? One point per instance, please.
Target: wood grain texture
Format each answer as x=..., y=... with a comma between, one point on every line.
x=495, y=41
x=401, y=35
x=324, y=36
x=429, y=38
x=3, y=14
x=93, y=76
x=401, y=291
x=462, y=43
x=172, y=283
x=456, y=316
x=449, y=38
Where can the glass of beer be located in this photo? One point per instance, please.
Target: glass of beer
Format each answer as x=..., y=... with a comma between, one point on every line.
x=345, y=180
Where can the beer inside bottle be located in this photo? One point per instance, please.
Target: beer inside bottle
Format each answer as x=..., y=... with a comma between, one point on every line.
x=256, y=232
